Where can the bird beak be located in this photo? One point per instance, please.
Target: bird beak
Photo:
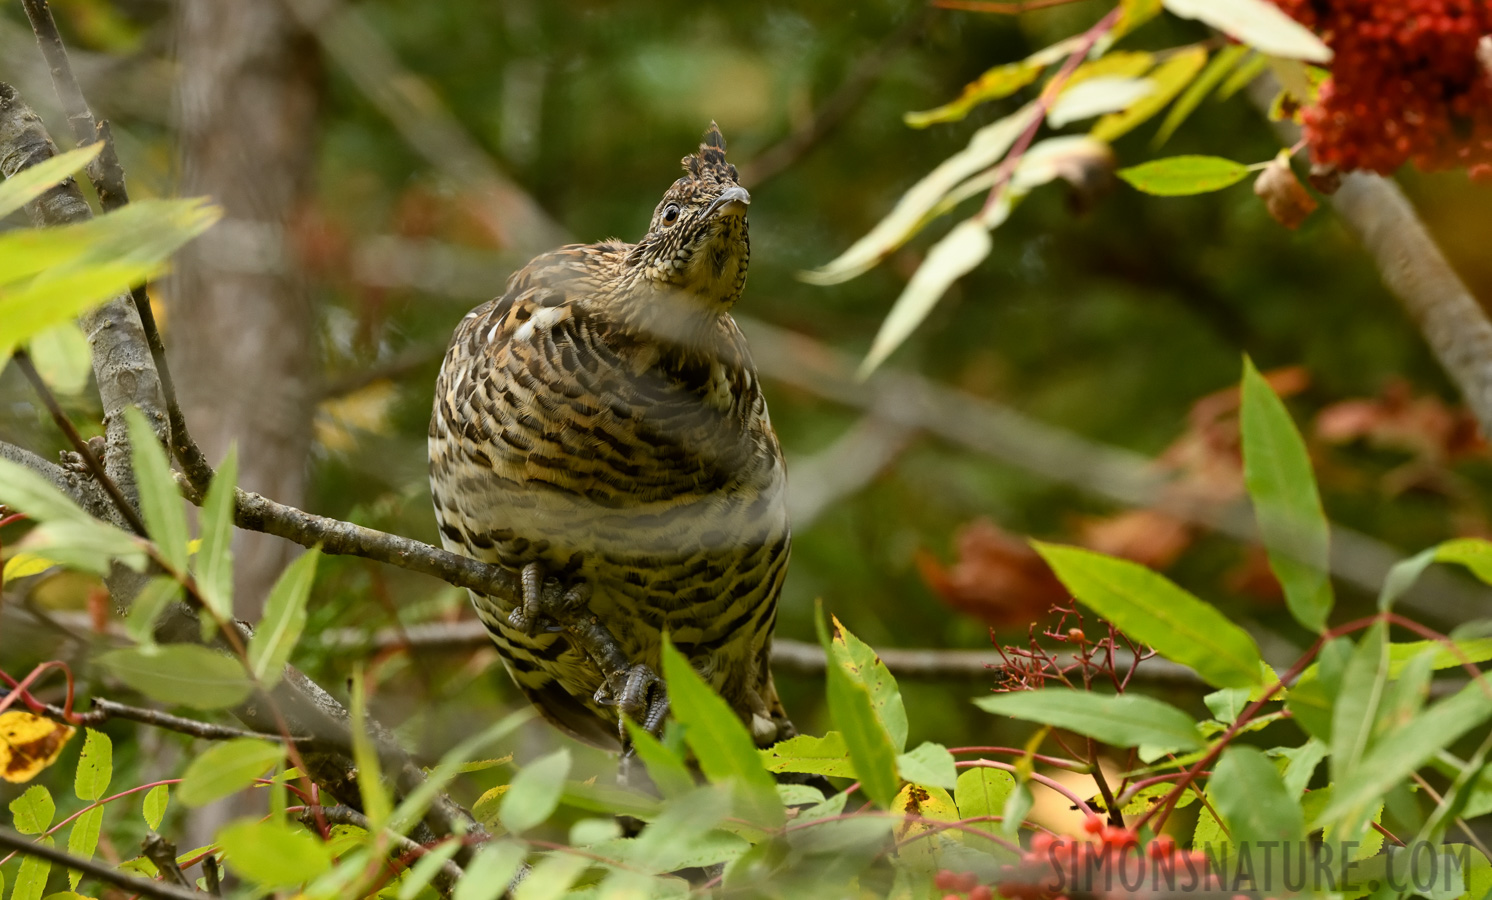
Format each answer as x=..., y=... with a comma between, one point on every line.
x=731, y=203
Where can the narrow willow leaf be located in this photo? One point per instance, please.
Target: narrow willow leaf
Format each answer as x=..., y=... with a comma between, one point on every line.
x=959, y=251
x=154, y=808
x=1257, y=23
x=813, y=755
x=284, y=619
x=153, y=600
x=82, y=839
x=33, y=181
x=1153, y=610
x=1222, y=63
x=491, y=871
x=985, y=148
x=1473, y=553
x=1402, y=577
x=1244, y=75
x=377, y=805
x=1001, y=81
x=27, y=491
x=160, y=501
x=1355, y=713
x=861, y=662
x=1247, y=790
x=551, y=876
x=1169, y=78
x=1287, y=504
x=89, y=546
x=1096, y=97
x=419, y=875
x=414, y=805
x=1177, y=176
x=1128, y=720
x=214, y=564
x=270, y=854
x=667, y=771
x=185, y=674
x=227, y=768
x=535, y=792
x=719, y=740
x=95, y=766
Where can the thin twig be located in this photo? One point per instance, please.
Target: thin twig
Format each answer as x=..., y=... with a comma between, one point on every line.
x=104, y=710
x=10, y=840
x=163, y=853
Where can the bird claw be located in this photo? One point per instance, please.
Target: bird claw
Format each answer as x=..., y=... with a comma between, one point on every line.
x=547, y=604
x=639, y=694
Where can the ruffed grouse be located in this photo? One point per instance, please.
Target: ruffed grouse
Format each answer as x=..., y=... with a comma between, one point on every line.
x=600, y=428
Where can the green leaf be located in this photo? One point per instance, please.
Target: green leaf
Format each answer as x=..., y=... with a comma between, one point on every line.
x=272, y=854
x=1001, y=81
x=424, y=870
x=806, y=753
x=1402, y=576
x=1473, y=553
x=1178, y=176
x=284, y=619
x=155, y=805
x=1247, y=790
x=24, y=490
x=95, y=766
x=412, y=808
x=1354, y=716
x=31, y=880
x=214, y=564
x=982, y=792
x=1097, y=96
x=491, y=871
x=929, y=765
x=154, y=599
x=377, y=805
x=33, y=181
x=1400, y=752
x=1128, y=720
x=535, y=792
x=226, y=769
x=720, y=742
x=1311, y=699
x=1017, y=807
x=33, y=810
x=91, y=546
x=951, y=258
x=160, y=501
x=1169, y=78
x=1244, y=75
x=1258, y=23
x=186, y=674
x=860, y=661
x=1226, y=704
x=1222, y=63
x=667, y=771
x=1153, y=610
x=871, y=750
x=82, y=839
x=1300, y=764
x=1277, y=470
x=684, y=835
x=85, y=264
x=551, y=876
x=63, y=358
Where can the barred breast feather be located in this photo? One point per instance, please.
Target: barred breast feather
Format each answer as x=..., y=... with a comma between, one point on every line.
x=647, y=468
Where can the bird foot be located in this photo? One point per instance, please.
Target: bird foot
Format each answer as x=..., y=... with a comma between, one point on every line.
x=639, y=694
x=547, y=603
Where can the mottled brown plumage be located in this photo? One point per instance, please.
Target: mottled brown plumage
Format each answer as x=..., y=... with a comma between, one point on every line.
x=602, y=419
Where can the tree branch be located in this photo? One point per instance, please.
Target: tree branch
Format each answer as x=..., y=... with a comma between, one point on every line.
x=82, y=489
x=10, y=840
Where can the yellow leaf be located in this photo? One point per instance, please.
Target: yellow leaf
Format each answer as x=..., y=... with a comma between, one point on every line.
x=28, y=744
x=1170, y=78
x=23, y=564
x=363, y=410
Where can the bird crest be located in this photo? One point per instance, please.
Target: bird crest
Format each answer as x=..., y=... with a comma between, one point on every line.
x=709, y=163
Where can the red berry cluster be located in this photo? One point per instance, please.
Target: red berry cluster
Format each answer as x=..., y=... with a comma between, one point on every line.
x=1406, y=84
x=960, y=885
x=1055, y=865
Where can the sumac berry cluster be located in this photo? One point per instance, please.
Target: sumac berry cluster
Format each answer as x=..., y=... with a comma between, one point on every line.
x=1113, y=865
x=1406, y=84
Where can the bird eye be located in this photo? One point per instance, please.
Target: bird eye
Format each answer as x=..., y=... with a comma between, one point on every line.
x=671, y=213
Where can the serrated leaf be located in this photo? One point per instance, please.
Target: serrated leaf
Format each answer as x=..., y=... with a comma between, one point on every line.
x=95, y=766
x=185, y=674
x=284, y=619
x=160, y=501
x=930, y=765
x=1222, y=63
x=1178, y=176
x=1287, y=504
x=227, y=768
x=809, y=754
x=154, y=809
x=1169, y=78
x=214, y=562
x=32, y=812
x=951, y=258
x=1128, y=720
x=719, y=740
x=271, y=854
x=33, y=181
x=1152, y=609
x=31, y=880
x=491, y=871
x=1258, y=23
x=534, y=793
x=82, y=839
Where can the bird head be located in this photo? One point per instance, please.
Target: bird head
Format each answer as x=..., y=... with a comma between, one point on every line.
x=697, y=245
